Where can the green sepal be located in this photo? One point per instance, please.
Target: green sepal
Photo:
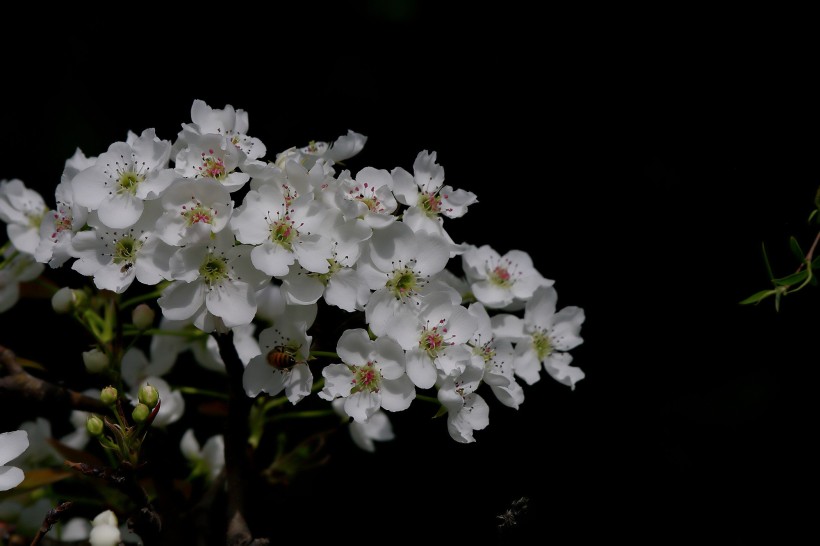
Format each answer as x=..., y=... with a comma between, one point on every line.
x=758, y=297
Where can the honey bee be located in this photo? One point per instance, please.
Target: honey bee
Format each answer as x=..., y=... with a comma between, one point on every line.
x=281, y=358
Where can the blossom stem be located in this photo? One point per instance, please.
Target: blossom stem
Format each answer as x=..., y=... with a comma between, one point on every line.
x=132, y=330
x=144, y=297
x=202, y=392
x=327, y=354
x=307, y=414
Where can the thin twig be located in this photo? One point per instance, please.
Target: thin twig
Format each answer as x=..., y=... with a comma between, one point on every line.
x=17, y=382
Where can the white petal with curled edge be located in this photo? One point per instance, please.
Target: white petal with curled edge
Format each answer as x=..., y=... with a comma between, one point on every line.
x=526, y=365
x=260, y=377
x=475, y=415
x=337, y=381
x=189, y=446
x=12, y=445
x=354, y=347
x=558, y=366
x=10, y=477
x=298, y=383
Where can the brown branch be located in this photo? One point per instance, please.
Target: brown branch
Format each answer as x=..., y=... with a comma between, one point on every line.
x=236, y=445
x=17, y=382
x=52, y=517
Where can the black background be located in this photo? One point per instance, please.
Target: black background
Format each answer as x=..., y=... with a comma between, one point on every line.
x=640, y=158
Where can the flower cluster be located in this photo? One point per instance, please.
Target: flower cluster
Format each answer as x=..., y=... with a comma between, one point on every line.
x=232, y=241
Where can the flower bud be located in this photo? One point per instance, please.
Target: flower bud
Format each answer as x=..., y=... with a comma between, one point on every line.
x=108, y=395
x=142, y=316
x=95, y=361
x=66, y=300
x=140, y=413
x=94, y=425
x=148, y=395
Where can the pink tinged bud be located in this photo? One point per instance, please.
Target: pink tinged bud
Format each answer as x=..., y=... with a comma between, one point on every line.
x=148, y=395
x=95, y=361
x=94, y=425
x=143, y=316
x=140, y=413
x=109, y=395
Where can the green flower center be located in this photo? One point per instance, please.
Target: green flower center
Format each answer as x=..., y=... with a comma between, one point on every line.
x=125, y=252
x=366, y=378
x=213, y=269
x=403, y=283
x=542, y=345
x=128, y=181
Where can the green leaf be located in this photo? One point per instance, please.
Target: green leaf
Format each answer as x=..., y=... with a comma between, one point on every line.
x=796, y=250
x=794, y=278
x=441, y=411
x=815, y=264
x=812, y=215
x=758, y=297
x=766, y=261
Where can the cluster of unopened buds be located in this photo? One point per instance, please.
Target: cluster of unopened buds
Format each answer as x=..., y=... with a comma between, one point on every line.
x=221, y=240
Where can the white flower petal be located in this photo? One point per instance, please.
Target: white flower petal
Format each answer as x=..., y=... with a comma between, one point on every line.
x=12, y=445
x=397, y=394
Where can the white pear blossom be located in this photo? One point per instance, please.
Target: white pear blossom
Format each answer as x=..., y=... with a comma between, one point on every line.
x=466, y=410
x=214, y=157
x=123, y=178
x=343, y=148
x=15, y=268
x=369, y=196
x=12, y=445
x=115, y=257
x=372, y=376
x=228, y=122
x=399, y=266
x=216, y=285
x=497, y=356
x=22, y=209
x=105, y=530
x=498, y=281
x=428, y=199
x=208, y=460
x=193, y=210
x=283, y=230
x=282, y=363
x=342, y=285
x=543, y=337
x=437, y=344
x=376, y=429
x=59, y=226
